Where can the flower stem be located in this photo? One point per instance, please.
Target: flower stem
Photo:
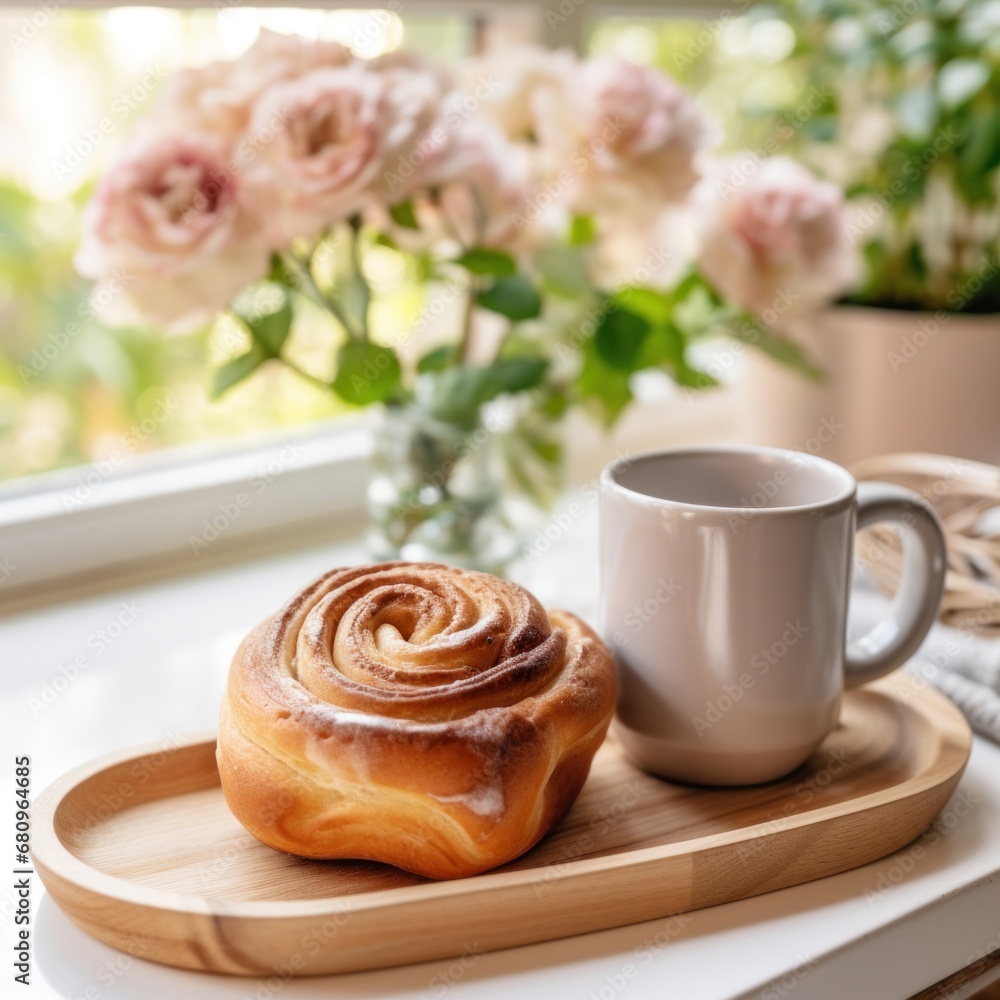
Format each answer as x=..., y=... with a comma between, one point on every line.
x=467, y=317
x=306, y=284
x=315, y=380
x=359, y=276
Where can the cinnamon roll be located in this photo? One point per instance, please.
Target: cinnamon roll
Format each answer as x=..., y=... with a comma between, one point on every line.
x=432, y=718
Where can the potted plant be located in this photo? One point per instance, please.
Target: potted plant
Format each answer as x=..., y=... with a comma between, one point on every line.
x=909, y=127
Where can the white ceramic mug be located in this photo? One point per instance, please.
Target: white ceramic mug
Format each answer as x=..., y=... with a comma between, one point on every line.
x=725, y=579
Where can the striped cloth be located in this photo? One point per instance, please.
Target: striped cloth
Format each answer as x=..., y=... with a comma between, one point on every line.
x=963, y=664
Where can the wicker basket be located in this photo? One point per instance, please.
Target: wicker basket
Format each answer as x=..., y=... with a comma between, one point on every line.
x=966, y=495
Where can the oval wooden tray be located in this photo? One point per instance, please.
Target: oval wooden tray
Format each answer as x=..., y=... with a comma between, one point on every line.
x=141, y=851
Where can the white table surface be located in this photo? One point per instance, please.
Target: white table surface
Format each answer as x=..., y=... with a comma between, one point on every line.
x=882, y=931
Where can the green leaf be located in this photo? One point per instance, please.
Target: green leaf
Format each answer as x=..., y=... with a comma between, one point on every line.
x=692, y=378
x=438, y=358
x=366, y=373
x=664, y=345
x=582, y=230
x=608, y=388
x=403, y=215
x=482, y=260
x=619, y=338
x=563, y=270
x=653, y=306
x=780, y=348
x=691, y=282
x=268, y=320
x=236, y=370
x=459, y=392
x=960, y=80
x=514, y=297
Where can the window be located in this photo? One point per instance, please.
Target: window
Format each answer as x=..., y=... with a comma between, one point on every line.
x=75, y=390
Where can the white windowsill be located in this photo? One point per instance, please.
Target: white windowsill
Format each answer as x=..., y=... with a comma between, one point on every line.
x=159, y=514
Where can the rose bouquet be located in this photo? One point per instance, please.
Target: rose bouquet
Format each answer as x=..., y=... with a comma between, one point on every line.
x=564, y=214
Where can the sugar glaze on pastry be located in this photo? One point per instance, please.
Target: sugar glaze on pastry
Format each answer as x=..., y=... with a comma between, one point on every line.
x=429, y=717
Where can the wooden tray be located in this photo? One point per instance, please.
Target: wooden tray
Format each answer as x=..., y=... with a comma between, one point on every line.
x=141, y=851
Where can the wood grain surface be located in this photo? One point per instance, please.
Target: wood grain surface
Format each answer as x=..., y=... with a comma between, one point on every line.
x=141, y=851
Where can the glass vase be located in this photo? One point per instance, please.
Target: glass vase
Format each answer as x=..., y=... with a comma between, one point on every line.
x=437, y=493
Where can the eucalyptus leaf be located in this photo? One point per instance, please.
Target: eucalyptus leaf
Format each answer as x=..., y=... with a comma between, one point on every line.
x=236, y=370
x=459, y=392
x=438, y=358
x=599, y=383
x=664, y=345
x=403, y=215
x=514, y=297
x=269, y=324
x=780, y=348
x=482, y=260
x=653, y=306
x=619, y=338
x=563, y=270
x=582, y=230
x=366, y=373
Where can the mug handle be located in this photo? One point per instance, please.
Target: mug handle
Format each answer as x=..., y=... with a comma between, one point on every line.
x=915, y=606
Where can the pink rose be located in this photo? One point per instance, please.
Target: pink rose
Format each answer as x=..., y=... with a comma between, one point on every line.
x=513, y=84
x=344, y=138
x=774, y=236
x=626, y=133
x=220, y=96
x=171, y=234
x=473, y=188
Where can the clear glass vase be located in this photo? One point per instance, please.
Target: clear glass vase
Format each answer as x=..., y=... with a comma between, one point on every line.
x=437, y=493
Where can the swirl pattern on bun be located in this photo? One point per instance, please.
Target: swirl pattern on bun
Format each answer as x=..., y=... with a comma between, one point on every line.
x=433, y=718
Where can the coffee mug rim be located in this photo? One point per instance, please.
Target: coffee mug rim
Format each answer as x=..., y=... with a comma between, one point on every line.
x=837, y=501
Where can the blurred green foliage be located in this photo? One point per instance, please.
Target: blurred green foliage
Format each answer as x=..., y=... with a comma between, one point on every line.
x=897, y=102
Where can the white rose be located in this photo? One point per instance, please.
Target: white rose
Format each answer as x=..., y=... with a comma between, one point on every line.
x=170, y=235
x=774, y=236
